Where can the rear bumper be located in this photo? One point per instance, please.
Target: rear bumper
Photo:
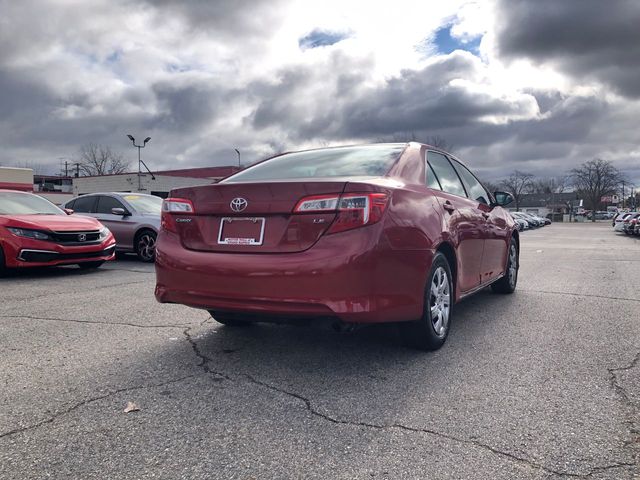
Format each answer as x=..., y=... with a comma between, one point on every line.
x=350, y=276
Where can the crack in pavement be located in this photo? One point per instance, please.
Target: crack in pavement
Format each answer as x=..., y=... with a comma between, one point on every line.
x=580, y=295
x=94, y=322
x=91, y=400
x=204, y=364
x=633, y=406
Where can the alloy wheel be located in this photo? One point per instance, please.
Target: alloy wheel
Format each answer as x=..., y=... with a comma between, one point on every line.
x=440, y=301
x=147, y=246
x=513, y=266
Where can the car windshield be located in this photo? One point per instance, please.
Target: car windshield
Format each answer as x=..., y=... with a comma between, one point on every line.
x=368, y=160
x=26, y=204
x=145, y=203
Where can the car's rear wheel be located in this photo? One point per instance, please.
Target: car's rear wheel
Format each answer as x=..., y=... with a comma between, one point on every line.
x=3, y=265
x=431, y=331
x=507, y=284
x=90, y=265
x=146, y=245
x=229, y=319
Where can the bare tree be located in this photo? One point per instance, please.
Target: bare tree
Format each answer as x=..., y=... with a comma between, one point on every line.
x=517, y=184
x=491, y=186
x=549, y=185
x=595, y=179
x=97, y=159
x=439, y=142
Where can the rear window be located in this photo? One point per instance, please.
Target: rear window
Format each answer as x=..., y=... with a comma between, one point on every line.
x=370, y=160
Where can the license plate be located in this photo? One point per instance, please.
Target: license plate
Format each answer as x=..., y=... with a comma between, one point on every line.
x=241, y=231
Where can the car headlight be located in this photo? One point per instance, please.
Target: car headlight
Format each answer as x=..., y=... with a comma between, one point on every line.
x=35, y=234
x=104, y=233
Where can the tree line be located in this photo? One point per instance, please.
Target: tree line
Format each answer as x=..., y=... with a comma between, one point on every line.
x=591, y=181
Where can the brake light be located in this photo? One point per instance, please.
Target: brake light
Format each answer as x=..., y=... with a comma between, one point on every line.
x=354, y=209
x=171, y=207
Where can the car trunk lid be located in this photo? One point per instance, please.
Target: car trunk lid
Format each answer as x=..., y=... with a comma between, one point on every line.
x=253, y=217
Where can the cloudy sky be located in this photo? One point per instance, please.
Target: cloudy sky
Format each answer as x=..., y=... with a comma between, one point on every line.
x=537, y=85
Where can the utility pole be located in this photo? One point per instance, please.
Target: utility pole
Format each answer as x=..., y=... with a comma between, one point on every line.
x=238, y=152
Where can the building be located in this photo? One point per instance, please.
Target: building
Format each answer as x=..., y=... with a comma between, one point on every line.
x=159, y=183
x=54, y=189
x=549, y=205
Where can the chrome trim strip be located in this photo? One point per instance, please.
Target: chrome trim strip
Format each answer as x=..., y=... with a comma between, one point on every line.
x=21, y=258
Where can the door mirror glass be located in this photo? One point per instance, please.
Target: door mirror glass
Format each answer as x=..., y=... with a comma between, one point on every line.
x=503, y=198
x=68, y=211
x=119, y=211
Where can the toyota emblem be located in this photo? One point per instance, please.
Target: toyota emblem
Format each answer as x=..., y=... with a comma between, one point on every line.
x=238, y=204
x=82, y=237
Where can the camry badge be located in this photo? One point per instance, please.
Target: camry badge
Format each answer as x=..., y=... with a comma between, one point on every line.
x=82, y=237
x=238, y=204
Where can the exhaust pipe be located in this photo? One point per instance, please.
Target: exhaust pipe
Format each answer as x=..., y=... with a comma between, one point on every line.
x=343, y=327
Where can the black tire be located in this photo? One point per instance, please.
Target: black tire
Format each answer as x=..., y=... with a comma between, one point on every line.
x=145, y=245
x=423, y=334
x=90, y=265
x=3, y=266
x=229, y=319
x=507, y=284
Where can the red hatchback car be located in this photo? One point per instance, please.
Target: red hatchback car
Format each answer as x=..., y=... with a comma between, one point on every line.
x=361, y=234
x=36, y=233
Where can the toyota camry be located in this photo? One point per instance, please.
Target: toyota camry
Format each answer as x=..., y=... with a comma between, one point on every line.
x=359, y=234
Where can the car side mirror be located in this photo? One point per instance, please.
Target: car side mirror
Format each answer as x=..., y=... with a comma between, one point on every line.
x=68, y=211
x=119, y=211
x=502, y=198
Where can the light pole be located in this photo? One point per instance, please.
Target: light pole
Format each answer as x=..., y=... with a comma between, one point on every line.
x=238, y=152
x=140, y=162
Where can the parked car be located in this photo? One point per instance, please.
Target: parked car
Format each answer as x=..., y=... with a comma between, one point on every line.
x=134, y=219
x=618, y=221
x=532, y=222
x=36, y=233
x=630, y=222
x=360, y=234
x=521, y=223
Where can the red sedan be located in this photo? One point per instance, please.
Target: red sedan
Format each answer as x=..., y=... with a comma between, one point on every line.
x=36, y=233
x=363, y=234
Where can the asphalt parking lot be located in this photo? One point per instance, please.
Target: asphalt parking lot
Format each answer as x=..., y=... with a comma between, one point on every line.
x=544, y=383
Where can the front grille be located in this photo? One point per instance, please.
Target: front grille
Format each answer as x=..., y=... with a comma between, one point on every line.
x=44, y=256
x=74, y=238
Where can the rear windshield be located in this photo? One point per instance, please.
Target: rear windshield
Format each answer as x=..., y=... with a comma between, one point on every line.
x=370, y=160
x=26, y=204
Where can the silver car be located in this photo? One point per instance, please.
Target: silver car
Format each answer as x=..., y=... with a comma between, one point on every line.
x=134, y=219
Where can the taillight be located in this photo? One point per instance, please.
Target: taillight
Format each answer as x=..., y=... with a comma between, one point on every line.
x=353, y=210
x=171, y=207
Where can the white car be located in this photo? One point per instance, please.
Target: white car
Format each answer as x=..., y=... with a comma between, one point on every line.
x=618, y=222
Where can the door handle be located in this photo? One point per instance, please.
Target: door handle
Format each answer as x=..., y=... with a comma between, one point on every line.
x=448, y=206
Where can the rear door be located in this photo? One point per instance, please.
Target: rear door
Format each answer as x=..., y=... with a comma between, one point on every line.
x=463, y=219
x=494, y=257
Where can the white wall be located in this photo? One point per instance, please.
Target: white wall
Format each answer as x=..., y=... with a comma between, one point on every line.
x=129, y=183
